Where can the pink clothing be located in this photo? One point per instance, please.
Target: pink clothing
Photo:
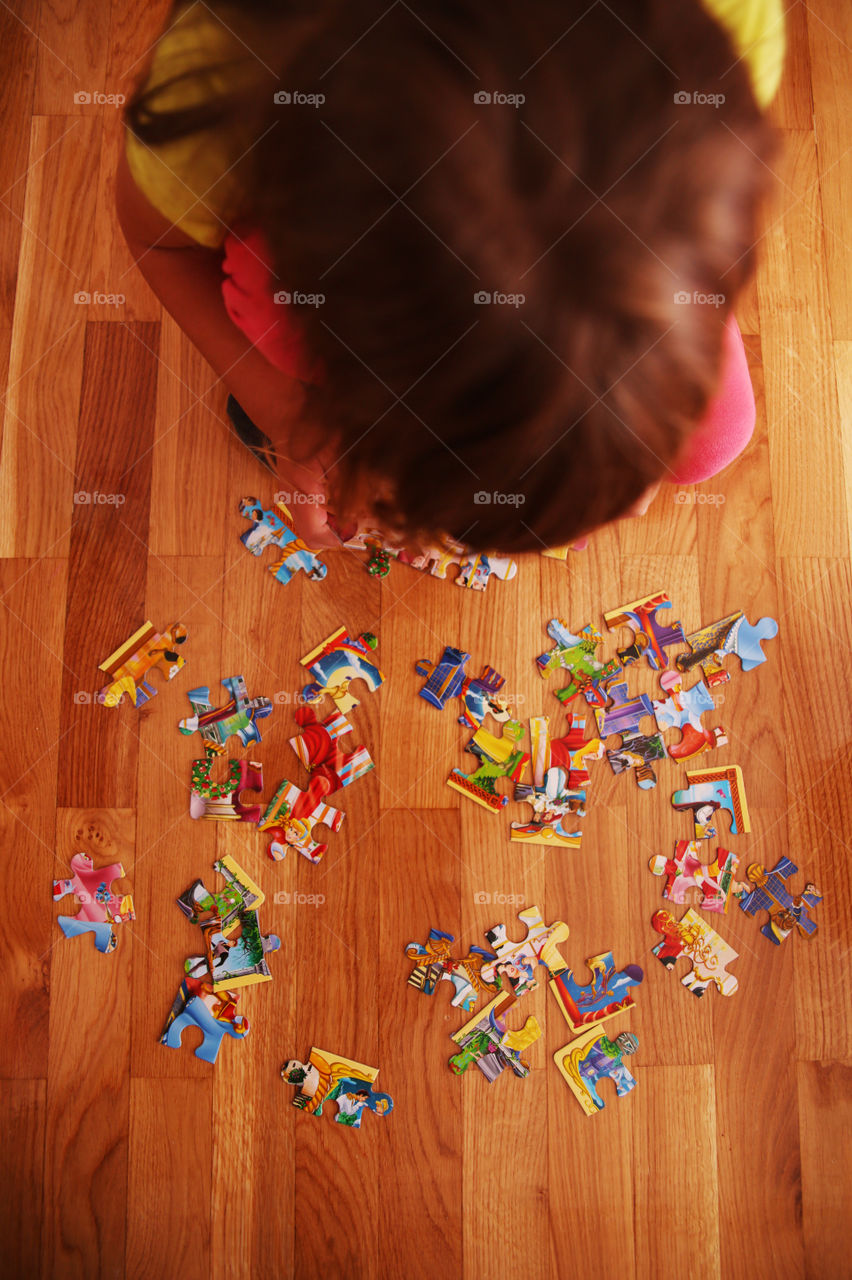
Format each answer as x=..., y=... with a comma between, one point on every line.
x=249, y=293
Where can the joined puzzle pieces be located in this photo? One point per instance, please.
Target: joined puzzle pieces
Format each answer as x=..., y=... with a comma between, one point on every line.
x=559, y=778
x=447, y=679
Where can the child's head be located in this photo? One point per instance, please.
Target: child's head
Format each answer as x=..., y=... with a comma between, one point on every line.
x=584, y=207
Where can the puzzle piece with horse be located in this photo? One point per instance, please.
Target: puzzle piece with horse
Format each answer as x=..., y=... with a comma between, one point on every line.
x=558, y=786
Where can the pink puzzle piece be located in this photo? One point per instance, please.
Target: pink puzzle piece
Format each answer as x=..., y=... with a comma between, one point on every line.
x=292, y=815
x=100, y=908
x=691, y=882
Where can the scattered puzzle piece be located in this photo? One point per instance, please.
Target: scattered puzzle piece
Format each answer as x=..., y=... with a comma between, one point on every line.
x=691, y=882
x=692, y=936
x=234, y=961
x=318, y=748
x=214, y=1014
x=241, y=893
x=499, y=759
x=651, y=637
x=292, y=815
x=593, y=1057
x=576, y=655
x=100, y=908
x=435, y=964
x=147, y=650
x=335, y=663
x=514, y=963
x=327, y=1077
x=710, y=646
x=609, y=991
x=447, y=680
x=270, y=529
x=637, y=751
x=238, y=716
x=714, y=789
x=559, y=776
x=683, y=710
x=770, y=893
x=221, y=801
x=475, y=570
x=485, y=1041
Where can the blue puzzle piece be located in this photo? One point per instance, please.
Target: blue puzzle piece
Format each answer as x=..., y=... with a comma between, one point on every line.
x=785, y=911
x=271, y=529
x=197, y=1014
x=104, y=935
x=735, y=634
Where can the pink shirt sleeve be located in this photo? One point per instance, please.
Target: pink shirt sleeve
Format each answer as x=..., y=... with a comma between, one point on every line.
x=728, y=424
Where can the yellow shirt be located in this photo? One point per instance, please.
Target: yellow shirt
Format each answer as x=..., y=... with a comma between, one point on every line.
x=195, y=182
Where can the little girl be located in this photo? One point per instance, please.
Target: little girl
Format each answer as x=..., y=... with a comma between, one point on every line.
x=466, y=269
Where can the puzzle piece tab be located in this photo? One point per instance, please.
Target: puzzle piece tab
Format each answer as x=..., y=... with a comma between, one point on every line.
x=435, y=964
x=593, y=1057
x=559, y=778
x=486, y=1041
x=711, y=790
x=498, y=759
x=147, y=650
x=447, y=680
x=318, y=748
x=239, y=716
x=770, y=893
x=683, y=710
x=710, y=646
x=328, y=1077
x=275, y=529
x=691, y=882
x=335, y=663
x=100, y=908
x=514, y=963
x=609, y=991
x=291, y=816
x=692, y=936
x=222, y=801
x=651, y=637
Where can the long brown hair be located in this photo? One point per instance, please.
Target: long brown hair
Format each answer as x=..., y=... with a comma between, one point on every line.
x=585, y=212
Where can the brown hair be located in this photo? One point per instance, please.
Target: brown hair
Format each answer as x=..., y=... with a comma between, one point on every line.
x=597, y=199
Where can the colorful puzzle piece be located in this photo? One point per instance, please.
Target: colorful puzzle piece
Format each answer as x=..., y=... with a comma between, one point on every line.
x=435, y=964
x=637, y=751
x=692, y=936
x=593, y=1057
x=625, y=712
x=559, y=776
x=691, y=882
x=238, y=716
x=271, y=529
x=222, y=801
x=714, y=789
x=241, y=893
x=318, y=748
x=231, y=961
x=335, y=663
x=475, y=570
x=100, y=908
x=499, y=759
x=609, y=991
x=710, y=646
x=147, y=650
x=770, y=893
x=447, y=680
x=514, y=963
x=485, y=1041
x=215, y=1016
x=292, y=815
x=651, y=637
x=576, y=655
x=327, y=1077
x=683, y=710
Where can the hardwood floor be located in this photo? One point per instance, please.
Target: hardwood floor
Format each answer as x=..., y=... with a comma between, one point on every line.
x=731, y=1158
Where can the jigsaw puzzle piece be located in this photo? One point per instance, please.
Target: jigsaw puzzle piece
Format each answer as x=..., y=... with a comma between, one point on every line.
x=239, y=716
x=328, y=1077
x=609, y=991
x=683, y=710
x=486, y=1041
x=691, y=882
x=476, y=571
x=222, y=801
x=651, y=637
x=275, y=529
x=576, y=655
x=100, y=907
x=498, y=759
x=103, y=933
x=336, y=662
x=318, y=748
x=711, y=790
x=515, y=962
x=435, y=964
x=292, y=815
x=556, y=793
x=234, y=961
x=710, y=646
x=215, y=1016
x=692, y=937
x=770, y=893
x=147, y=650
x=448, y=680
x=593, y=1057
